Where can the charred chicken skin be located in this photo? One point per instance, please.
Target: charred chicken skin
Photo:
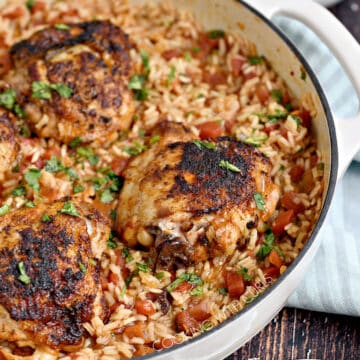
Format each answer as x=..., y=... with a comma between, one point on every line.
x=72, y=81
x=193, y=200
x=49, y=274
x=9, y=146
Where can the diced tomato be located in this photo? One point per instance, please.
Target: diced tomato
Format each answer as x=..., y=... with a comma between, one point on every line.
x=207, y=44
x=214, y=79
x=186, y=322
x=210, y=129
x=119, y=164
x=313, y=160
x=169, y=54
x=291, y=201
x=307, y=182
x=281, y=221
x=285, y=98
x=275, y=259
x=271, y=271
x=262, y=93
x=200, y=311
x=236, y=66
x=39, y=6
x=296, y=173
x=271, y=127
x=305, y=117
x=143, y=350
x=136, y=330
x=5, y=63
x=114, y=278
x=249, y=75
x=145, y=307
x=40, y=163
x=235, y=284
x=184, y=287
x=15, y=13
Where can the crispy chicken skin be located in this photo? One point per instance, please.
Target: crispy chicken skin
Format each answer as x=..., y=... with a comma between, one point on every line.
x=92, y=58
x=61, y=258
x=178, y=198
x=9, y=146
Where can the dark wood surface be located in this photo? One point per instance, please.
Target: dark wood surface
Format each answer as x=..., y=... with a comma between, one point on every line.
x=299, y=334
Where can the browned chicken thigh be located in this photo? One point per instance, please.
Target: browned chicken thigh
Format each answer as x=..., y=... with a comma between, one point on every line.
x=9, y=146
x=49, y=273
x=72, y=81
x=193, y=200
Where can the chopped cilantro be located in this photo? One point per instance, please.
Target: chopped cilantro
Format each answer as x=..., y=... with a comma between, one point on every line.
x=19, y=111
x=191, y=278
x=98, y=183
x=45, y=218
x=32, y=178
x=82, y=267
x=137, y=149
x=8, y=99
x=4, y=209
x=73, y=175
x=216, y=34
x=259, y=200
x=160, y=275
x=195, y=50
x=62, y=27
x=187, y=56
x=277, y=95
x=223, y=291
x=111, y=243
x=137, y=84
x=75, y=142
x=171, y=75
x=19, y=191
x=130, y=277
x=92, y=262
x=244, y=272
x=106, y=196
x=145, y=60
x=24, y=278
x=204, y=144
x=255, y=60
x=205, y=326
x=16, y=168
x=197, y=291
x=288, y=107
x=143, y=267
x=70, y=209
x=303, y=75
x=78, y=189
x=29, y=204
x=126, y=254
x=228, y=166
x=42, y=90
x=256, y=140
x=251, y=299
x=88, y=153
x=30, y=4
x=267, y=245
x=277, y=116
x=112, y=214
x=53, y=165
x=154, y=139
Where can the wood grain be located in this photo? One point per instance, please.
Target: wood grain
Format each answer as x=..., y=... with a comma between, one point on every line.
x=300, y=334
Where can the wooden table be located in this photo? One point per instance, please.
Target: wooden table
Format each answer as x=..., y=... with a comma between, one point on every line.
x=299, y=334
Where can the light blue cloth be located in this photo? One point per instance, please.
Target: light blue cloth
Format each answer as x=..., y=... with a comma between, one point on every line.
x=332, y=284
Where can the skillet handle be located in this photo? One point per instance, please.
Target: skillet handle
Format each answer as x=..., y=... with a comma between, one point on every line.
x=345, y=48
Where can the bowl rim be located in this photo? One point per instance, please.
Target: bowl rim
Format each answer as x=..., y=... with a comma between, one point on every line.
x=326, y=204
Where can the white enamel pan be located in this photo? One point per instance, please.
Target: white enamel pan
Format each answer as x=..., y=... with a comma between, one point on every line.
x=338, y=140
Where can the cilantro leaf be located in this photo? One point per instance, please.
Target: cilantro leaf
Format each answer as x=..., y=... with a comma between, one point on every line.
x=32, y=178
x=259, y=200
x=228, y=166
x=216, y=34
x=69, y=209
x=24, y=278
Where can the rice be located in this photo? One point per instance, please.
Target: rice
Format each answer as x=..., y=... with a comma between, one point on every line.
x=234, y=102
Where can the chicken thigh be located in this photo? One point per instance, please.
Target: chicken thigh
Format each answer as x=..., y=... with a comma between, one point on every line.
x=72, y=81
x=192, y=200
x=49, y=273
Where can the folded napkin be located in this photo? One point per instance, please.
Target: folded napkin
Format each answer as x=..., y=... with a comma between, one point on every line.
x=332, y=284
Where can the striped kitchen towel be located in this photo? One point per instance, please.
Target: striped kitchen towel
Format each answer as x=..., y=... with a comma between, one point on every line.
x=332, y=284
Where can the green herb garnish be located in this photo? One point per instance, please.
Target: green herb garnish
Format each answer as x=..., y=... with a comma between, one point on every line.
x=187, y=56
x=137, y=149
x=160, y=275
x=154, y=139
x=244, y=272
x=78, y=189
x=259, y=200
x=69, y=209
x=205, y=326
x=126, y=254
x=53, y=165
x=30, y=4
x=216, y=34
x=32, y=178
x=266, y=246
x=190, y=278
x=197, y=291
x=255, y=60
x=4, y=209
x=45, y=218
x=303, y=75
x=171, y=75
x=29, y=204
x=143, y=267
x=8, y=99
x=42, y=90
x=222, y=291
x=112, y=244
x=88, y=153
x=204, y=144
x=277, y=95
x=106, y=196
x=62, y=27
x=75, y=142
x=130, y=277
x=24, y=278
x=19, y=191
x=82, y=267
x=112, y=214
x=137, y=84
x=256, y=140
x=251, y=299
x=145, y=60
x=228, y=166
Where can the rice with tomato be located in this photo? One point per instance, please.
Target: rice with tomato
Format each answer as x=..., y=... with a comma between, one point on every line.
x=215, y=83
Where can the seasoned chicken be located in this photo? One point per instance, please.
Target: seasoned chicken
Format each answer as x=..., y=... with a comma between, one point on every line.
x=193, y=199
x=49, y=273
x=9, y=146
x=72, y=81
